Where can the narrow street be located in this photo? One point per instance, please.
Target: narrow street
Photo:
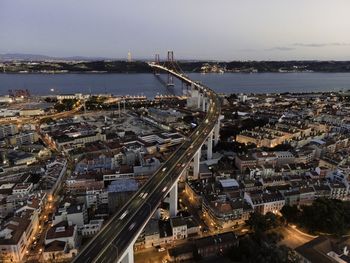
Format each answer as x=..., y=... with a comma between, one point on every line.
x=292, y=237
x=36, y=248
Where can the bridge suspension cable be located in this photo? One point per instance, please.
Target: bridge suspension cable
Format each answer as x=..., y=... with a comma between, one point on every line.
x=169, y=63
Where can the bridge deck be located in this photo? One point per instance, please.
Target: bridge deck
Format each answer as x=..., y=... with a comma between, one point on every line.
x=110, y=244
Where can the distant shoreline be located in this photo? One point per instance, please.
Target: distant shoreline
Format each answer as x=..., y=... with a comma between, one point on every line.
x=124, y=67
x=187, y=72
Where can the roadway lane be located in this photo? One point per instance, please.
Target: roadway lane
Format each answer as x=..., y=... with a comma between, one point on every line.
x=111, y=242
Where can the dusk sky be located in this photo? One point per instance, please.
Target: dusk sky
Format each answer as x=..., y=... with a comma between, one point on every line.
x=194, y=29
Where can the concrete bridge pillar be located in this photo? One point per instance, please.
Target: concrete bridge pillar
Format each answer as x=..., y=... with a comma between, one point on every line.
x=204, y=104
x=210, y=146
x=196, y=161
x=199, y=100
x=157, y=214
x=173, y=197
x=216, y=132
x=129, y=256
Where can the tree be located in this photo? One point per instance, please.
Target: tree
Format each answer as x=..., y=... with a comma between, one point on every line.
x=257, y=222
x=262, y=245
x=260, y=223
x=290, y=213
x=261, y=248
x=65, y=105
x=324, y=215
x=272, y=221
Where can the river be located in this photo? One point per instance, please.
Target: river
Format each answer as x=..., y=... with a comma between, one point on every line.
x=149, y=85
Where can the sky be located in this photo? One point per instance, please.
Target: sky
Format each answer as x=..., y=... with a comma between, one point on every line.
x=193, y=29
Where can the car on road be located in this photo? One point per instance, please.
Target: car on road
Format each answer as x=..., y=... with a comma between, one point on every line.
x=132, y=226
x=160, y=249
x=123, y=215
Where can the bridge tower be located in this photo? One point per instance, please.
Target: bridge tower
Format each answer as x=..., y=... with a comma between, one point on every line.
x=170, y=61
x=157, y=62
x=157, y=59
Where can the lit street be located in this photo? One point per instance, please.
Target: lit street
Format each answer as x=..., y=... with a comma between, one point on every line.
x=293, y=237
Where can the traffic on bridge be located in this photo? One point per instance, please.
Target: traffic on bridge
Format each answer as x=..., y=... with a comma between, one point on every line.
x=114, y=243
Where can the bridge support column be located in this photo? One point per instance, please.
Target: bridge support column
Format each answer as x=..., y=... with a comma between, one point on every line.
x=216, y=132
x=157, y=214
x=204, y=104
x=196, y=161
x=199, y=100
x=129, y=257
x=184, y=175
x=210, y=147
x=173, y=197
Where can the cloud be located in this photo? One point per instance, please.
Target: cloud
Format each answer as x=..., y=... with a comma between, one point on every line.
x=280, y=49
x=335, y=44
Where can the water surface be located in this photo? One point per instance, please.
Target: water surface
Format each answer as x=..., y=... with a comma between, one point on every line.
x=148, y=85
